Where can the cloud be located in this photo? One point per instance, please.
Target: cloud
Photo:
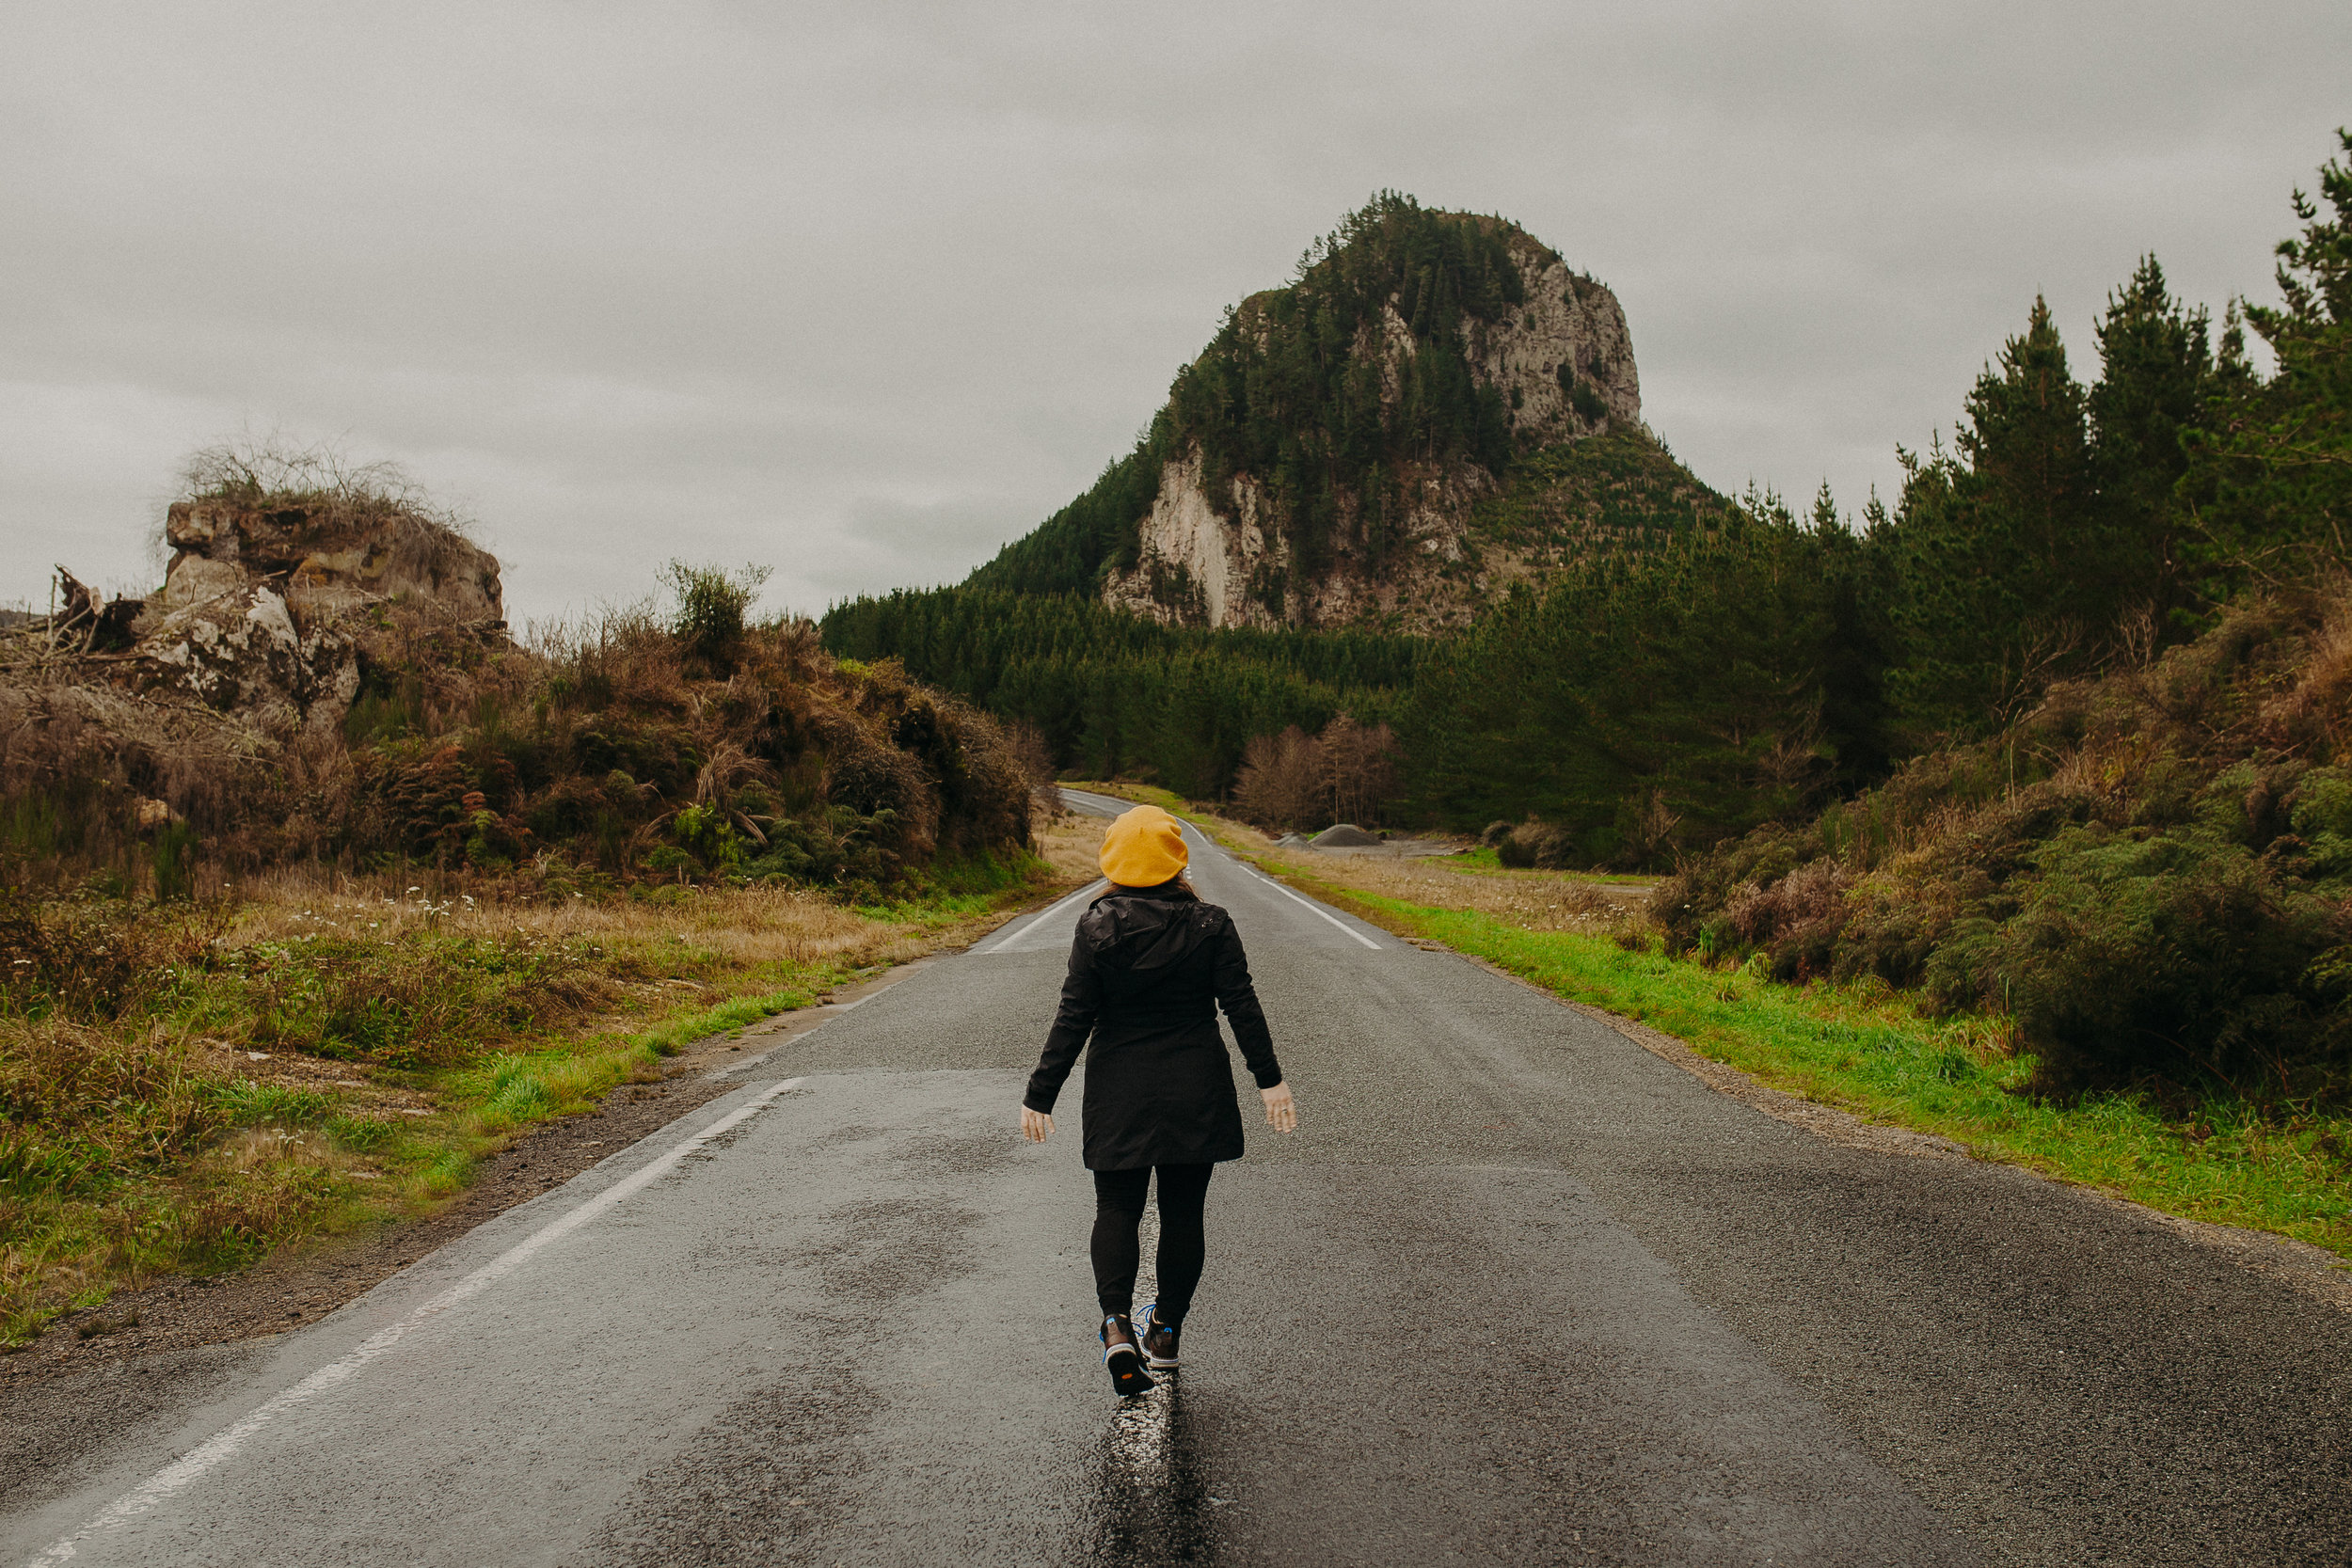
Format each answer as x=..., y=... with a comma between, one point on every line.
x=864, y=291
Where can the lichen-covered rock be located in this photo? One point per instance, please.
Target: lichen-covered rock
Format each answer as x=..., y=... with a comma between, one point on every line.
x=241, y=651
x=326, y=557
x=268, y=609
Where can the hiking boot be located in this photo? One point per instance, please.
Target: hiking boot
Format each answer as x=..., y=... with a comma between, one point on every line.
x=1158, y=1339
x=1123, y=1356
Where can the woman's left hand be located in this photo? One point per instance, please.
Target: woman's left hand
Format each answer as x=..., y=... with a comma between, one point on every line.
x=1281, y=1111
x=1036, y=1126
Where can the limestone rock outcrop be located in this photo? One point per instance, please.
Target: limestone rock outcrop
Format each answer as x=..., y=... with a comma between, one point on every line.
x=264, y=609
x=268, y=611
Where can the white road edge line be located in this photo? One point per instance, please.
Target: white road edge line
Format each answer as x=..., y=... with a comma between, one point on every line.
x=183, y=1472
x=1031, y=924
x=1310, y=904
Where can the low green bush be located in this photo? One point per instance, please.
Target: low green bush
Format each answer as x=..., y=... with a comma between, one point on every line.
x=2151, y=875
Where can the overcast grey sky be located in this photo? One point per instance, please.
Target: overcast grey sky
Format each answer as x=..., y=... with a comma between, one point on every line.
x=864, y=291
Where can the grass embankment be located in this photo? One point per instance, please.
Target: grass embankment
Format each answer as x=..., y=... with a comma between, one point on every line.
x=1862, y=1048
x=184, y=1088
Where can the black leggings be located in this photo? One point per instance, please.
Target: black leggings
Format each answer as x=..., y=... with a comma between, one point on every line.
x=1183, y=1242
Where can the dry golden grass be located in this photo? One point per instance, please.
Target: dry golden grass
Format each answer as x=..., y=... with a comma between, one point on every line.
x=1531, y=900
x=742, y=927
x=342, y=1052
x=1069, y=844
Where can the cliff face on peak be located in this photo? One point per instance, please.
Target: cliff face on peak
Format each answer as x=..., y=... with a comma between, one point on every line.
x=1391, y=439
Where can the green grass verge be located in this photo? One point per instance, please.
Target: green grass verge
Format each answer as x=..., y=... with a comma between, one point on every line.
x=963, y=889
x=1868, y=1051
x=484, y=1106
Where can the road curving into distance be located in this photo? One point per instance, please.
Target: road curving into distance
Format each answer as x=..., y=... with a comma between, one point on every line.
x=1517, y=1292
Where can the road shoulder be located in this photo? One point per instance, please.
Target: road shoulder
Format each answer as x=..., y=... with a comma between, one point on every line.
x=86, y=1383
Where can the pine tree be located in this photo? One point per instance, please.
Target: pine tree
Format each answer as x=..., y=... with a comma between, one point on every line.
x=2268, y=491
x=2156, y=373
x=2001, y=547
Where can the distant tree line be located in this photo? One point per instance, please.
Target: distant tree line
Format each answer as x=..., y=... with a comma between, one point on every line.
x=1112, y=693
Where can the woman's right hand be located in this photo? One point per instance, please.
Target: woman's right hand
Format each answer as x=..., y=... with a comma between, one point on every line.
x=1281, y=1111
x=1036, y=1126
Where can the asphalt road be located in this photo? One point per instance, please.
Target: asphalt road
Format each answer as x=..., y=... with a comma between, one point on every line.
x=1517, y=1292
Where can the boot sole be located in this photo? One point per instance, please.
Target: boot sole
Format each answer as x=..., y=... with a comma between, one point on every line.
x=1128, y=1376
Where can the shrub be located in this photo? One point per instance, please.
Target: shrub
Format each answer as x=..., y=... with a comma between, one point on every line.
x=712, y=603
x=2151, y=871
x=1540, y=846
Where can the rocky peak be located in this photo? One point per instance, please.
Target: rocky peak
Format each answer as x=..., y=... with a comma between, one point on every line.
x=1324, y=459
x=1558, y=365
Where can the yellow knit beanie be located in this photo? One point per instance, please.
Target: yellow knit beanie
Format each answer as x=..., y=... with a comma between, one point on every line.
x=1143, y=848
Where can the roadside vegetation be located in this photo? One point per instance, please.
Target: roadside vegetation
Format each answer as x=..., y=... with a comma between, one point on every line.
x=300, y=985
x=1858, y=1044
x=184, y=1086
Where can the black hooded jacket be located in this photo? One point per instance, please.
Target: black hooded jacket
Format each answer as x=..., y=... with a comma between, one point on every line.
x=1148, y=970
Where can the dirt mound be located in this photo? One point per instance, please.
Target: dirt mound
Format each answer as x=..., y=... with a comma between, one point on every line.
x=1345, y=835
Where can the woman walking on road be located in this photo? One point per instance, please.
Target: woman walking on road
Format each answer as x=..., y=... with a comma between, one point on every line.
x=1151, y=966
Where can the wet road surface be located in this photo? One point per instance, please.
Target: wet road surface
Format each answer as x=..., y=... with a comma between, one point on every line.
x=1517, y=1292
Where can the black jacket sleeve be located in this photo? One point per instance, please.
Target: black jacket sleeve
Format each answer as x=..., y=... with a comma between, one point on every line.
x=1239, y=998
x=1081, y=1004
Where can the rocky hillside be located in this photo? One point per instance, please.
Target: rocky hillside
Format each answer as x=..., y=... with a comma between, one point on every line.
x=325, y=674
x=1389, y=440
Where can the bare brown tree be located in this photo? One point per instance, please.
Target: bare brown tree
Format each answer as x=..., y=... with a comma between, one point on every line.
x=1283, y=780
x=1361, y=762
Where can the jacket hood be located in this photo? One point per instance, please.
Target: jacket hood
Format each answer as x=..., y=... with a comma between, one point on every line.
x=1147, y=928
